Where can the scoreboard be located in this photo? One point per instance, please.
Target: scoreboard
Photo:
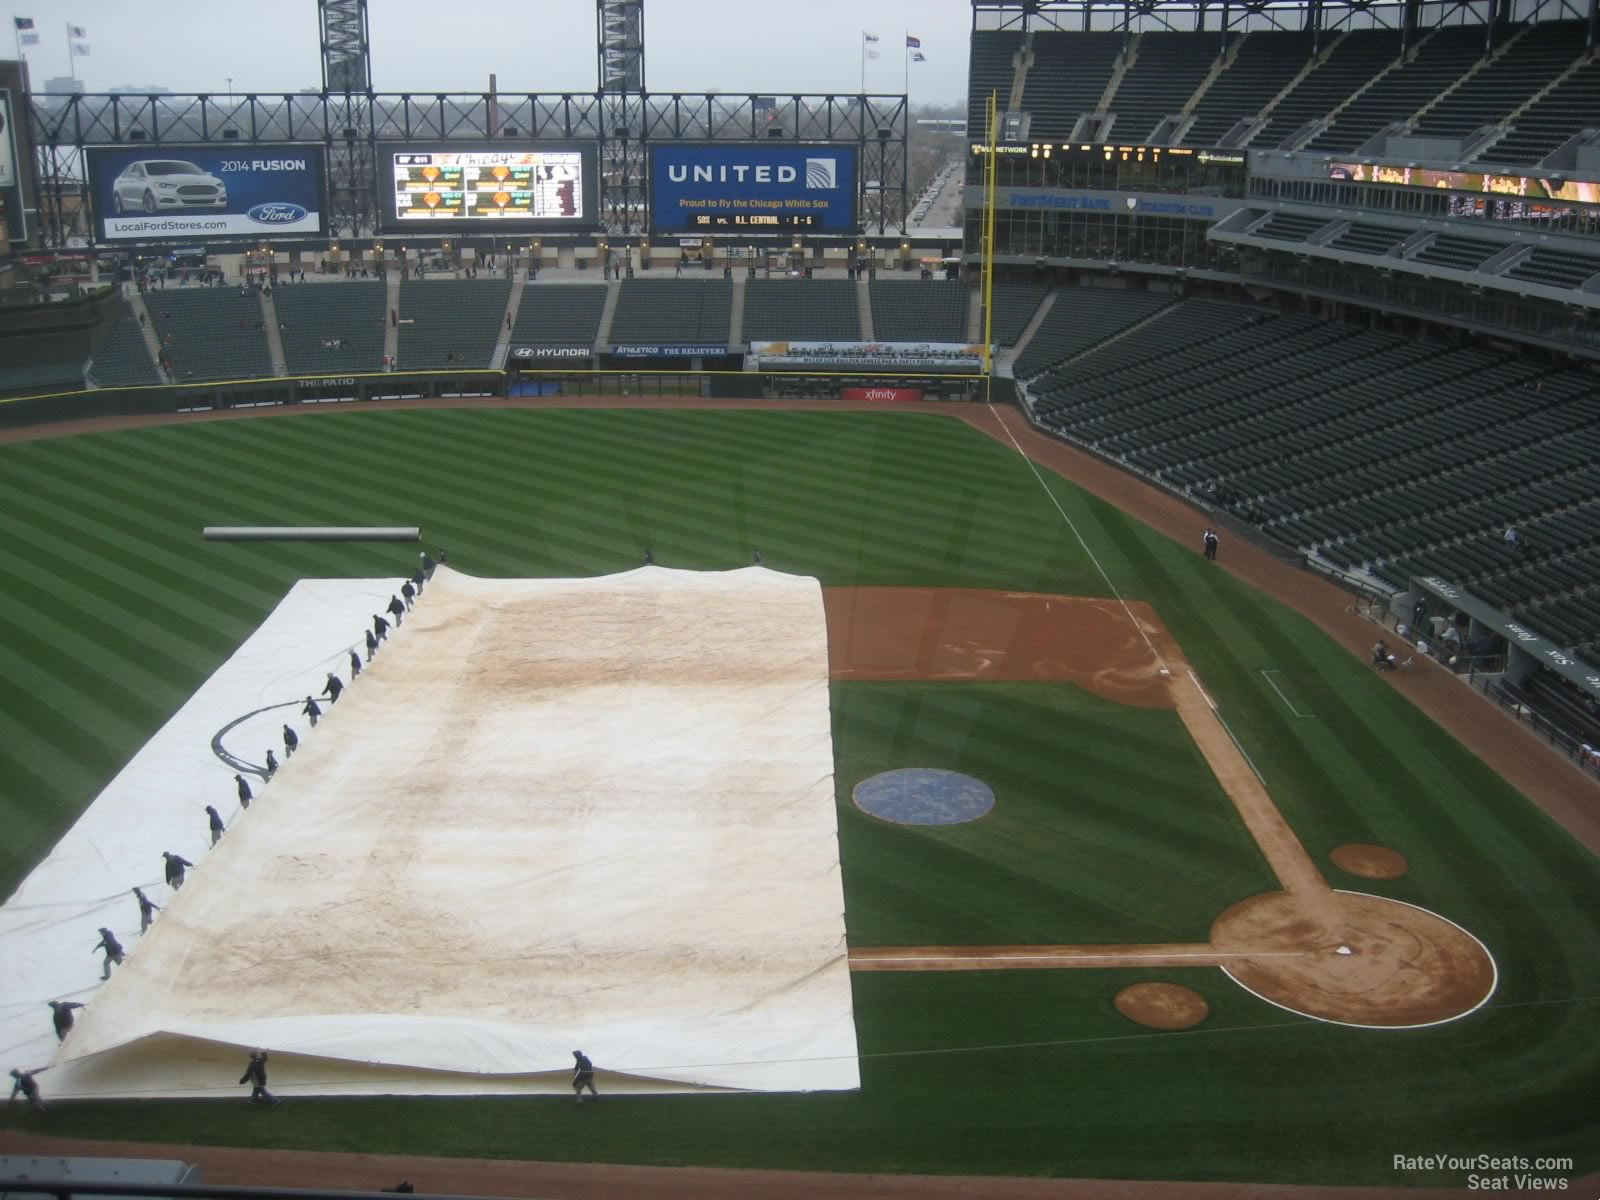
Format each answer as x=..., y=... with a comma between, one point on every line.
x=479, y=187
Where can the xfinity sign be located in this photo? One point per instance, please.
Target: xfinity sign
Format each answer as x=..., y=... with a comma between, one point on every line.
x=723, y=189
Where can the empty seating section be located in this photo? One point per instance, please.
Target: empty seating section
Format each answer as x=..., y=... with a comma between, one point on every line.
x=211, y=333
x=1068, y=76
x=1369, y=239
x=1290, y=227
x=352, y=314
x=1459, y=253
x=824, y=310
x=1356, y=58
x=122, y=359
x=672, y=310
x=559, y=313
x=1265, y=64
x=41, y=377
x=1540, y=129
x=1441, y=59
x=454, y=322
x=1525, y=67
x=1014, y=306
x=919, y=310
x=43, y=362
x=1168, y=69
x=1374, y=451
x=989, y=69
x=1556, y=268
x=1080, y=319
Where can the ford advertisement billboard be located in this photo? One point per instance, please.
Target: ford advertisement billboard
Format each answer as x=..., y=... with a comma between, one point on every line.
x=742, y=188
x=157, y=193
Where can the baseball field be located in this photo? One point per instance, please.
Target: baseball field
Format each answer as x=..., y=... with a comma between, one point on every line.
x=1111, y=826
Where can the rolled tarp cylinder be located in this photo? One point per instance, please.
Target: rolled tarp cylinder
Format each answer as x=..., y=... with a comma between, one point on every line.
x=313, y=533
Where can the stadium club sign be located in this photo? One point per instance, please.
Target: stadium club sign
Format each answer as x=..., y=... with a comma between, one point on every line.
x=948, y=358
x=1113, y=202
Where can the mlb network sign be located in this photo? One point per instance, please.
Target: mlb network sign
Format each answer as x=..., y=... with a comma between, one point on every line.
x=733, y=188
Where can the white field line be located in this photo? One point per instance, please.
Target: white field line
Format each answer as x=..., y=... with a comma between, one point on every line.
x=1267, y=675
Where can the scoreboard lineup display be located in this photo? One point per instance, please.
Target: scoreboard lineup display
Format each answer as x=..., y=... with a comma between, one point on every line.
x=488, y=185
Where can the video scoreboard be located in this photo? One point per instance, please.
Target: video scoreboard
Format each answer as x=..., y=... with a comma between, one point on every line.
x=470, y=187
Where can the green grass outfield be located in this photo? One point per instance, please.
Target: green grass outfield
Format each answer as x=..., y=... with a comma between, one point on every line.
x=1109, y=827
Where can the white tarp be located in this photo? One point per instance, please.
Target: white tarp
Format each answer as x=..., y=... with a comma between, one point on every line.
x=551, y=815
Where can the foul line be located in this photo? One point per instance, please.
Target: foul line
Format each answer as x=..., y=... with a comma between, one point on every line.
x=1097, y=566
x=1267, y=675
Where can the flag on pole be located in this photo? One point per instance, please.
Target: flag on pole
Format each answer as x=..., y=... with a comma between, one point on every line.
x=913, y=43
x=76, y=31
x=22, y=22
x=29, y=39
x=81, y=49
x=919, y=56
x=868, y=37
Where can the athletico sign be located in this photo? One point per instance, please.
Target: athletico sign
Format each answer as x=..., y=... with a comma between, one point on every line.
x=712, y=350
x=881, y=393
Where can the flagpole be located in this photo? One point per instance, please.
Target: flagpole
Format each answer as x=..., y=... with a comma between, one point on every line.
x=905, y=49
x=863, y=62
x=72, y=62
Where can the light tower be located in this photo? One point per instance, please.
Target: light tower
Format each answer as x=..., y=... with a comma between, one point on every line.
x=620, y=25
x=347, y=83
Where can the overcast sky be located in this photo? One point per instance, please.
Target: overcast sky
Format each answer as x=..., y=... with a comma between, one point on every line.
x=532, y=45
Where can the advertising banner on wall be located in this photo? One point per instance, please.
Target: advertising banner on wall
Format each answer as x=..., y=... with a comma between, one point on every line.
x=159, y=193
x=11, y=206
x=741, y=187
x=885, y=357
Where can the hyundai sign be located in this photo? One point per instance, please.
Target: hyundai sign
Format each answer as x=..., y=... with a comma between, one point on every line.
x=743, y=188
x=155, y=193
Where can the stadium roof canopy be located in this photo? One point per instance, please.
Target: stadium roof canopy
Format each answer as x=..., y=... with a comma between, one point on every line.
x=1136, y=16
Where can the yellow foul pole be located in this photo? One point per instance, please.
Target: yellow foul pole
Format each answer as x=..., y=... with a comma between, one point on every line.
x=990, y=176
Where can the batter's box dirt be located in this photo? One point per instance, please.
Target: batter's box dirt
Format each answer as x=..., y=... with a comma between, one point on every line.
x=1335, y=956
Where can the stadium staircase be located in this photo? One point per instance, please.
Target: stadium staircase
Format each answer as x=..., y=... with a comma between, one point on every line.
x=736, y=313
x=864, y=307
x=269, y=312
x=1006, y=360
x=502, y=346
x=152, y=343
x=608, y=314
x=391, y=331
x=125, y=353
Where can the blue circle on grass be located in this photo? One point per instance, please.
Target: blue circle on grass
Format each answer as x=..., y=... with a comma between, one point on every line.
x=924, y=796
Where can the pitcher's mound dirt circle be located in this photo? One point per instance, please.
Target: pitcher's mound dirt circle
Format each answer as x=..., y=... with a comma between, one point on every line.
x=1354, y=959
x=1162, y=1005
x=1370, y=862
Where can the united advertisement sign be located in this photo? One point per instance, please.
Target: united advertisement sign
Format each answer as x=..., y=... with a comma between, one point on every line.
x=742, y=188
x=156, y=193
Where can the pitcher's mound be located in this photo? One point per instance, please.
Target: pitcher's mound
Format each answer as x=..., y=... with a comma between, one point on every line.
x=1370, y=862
x=1162, y=1005
x=1354, y=959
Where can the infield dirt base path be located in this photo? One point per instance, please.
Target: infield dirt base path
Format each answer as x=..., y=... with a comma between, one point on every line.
x=1333, y=955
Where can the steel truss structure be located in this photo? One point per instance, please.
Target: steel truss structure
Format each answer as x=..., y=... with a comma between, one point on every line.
x=63, y=126
x=347, y=81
